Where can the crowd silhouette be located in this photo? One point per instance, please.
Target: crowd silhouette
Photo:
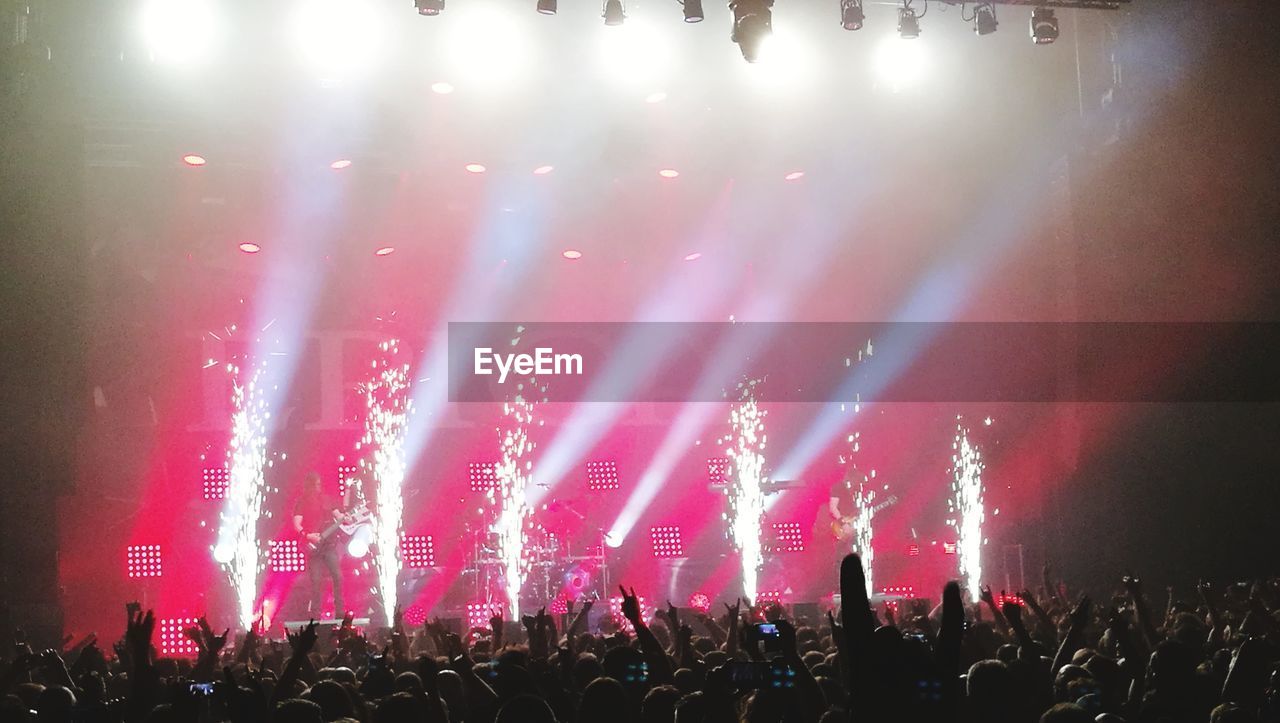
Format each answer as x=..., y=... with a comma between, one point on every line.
x=1051, y=655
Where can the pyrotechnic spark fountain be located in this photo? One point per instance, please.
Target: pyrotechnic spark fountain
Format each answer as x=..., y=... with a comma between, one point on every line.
x=864, y=504
x=238, y=550
x=389, y=406
x=513, y=473
x=863, y=530
x=966, y=505
x=746, y=485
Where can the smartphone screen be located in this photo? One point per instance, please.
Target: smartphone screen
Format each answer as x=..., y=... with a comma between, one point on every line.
x=746, y=675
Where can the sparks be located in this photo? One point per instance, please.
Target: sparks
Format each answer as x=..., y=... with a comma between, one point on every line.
x=746, y=485
x=513, y=474
x=388, y=404
x=238, y=550
x=864, y=505
x=863, y=530
x=966, y=505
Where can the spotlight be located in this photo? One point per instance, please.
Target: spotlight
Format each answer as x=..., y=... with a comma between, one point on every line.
x=693, y=11
x=984, y=19
x=613, y=13
x=547, y=7
x=429, y=7
x=1044, y=26
x=851, y=15
x=908, y=23
x=752, y=23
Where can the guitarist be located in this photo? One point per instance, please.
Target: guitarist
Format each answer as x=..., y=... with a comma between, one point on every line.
x=313, y=512
x=834, y=519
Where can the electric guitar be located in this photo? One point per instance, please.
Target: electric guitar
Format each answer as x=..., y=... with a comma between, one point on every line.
x=843, y=528
x=346, y=524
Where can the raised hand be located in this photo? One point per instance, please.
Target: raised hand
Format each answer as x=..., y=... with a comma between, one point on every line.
x=1133, y=584
x=1012, y=612
x=1080, y=613
x=630, y=604
x=987, y=596
x=304, y=640
x=673, y=617
x=138, y=632
x=453, y=646
x=889, y=617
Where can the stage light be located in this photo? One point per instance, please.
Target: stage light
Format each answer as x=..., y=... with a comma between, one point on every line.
x=441, y=88
x=173, y=636
x=693, y=11
x=768, y=597
x=486, y=47
x=908, y=23
x=479, y=613
x=571, y=254
x=752, y=23
x=577, y=581
x=179, y=31
x=904, y=591
x=793, y=176
x=851, y=14
x=638, y=53
x=693, y=256
x=666, y=541
x=415, y=616
x=216, y=480
x=543, y=170
x=385, y=251
x=223, y=553
x=338, y=39
x=483, y=476
x=700, y=601
x=340, y=164
x=475, y=168
x=984, y=19
x=143, y=561
x=430, y=8
x=1044, y=26
x=613, y=12
x=547, y=7
x=286, y=556
x=718, y=470
x=787, y=537
x=417, y=551
x=346, y=473
x=250, y=247
x=1002, y=598
x=669, y=173
x=358, y=545
x=602, y=476
x=913, y=550
x=558, y=606
x=948, y=548
x=899, y=63
x=192, y=159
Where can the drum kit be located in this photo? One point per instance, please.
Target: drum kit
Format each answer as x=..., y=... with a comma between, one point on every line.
x=554, y=568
